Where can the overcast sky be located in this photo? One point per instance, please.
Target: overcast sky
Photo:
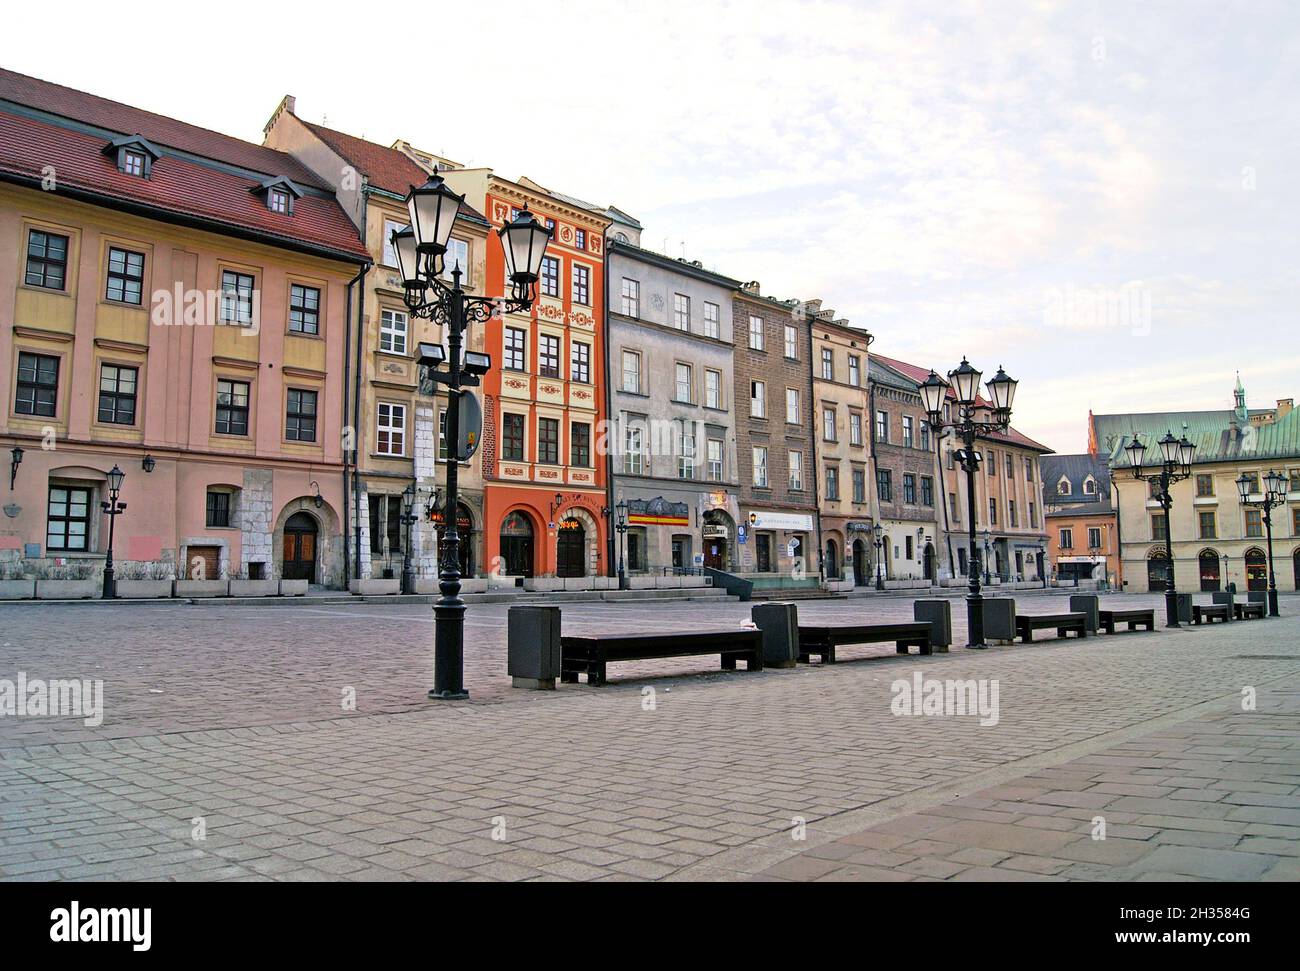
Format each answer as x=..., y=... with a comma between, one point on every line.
x=958, y=178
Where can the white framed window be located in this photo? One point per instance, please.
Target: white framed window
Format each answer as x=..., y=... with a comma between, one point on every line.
x=791, y=342
x=686, y=461
x=390, y=255
x=712, y=320
x=909, y=427
x=828, y=364
x=457, y=255
x=792, y=405
x=760, y=466
x=631, y=298
x=828, y=424
x=684, y=388
x=855, y=371
x=796, y=470
x=756, y=332
x=681, y=311
x=855, y=428
x=633, y=457
x=391, y=427
x=632, y=372
x=712, y=389
x=758, y=399
x=393, y=326
x=715, y=459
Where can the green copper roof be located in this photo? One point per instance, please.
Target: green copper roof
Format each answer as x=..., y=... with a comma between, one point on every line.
x=1217, y=435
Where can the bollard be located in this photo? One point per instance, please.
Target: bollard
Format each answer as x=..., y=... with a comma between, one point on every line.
x=779, y=622
x=1000, y=619
x=1088, y=604
x=533, y=647
x=938, y=613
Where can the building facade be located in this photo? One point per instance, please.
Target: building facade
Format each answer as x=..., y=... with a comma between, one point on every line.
x=908, y=487
x=672, y=411
x=774, y=443
x=173, y=303
x=840, y=417
x=546, y=507
x=1082, y=529
x=1213, y=539
x=398, y=422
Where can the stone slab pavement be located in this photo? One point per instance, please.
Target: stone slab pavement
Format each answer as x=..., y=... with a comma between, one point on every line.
x=246, y=768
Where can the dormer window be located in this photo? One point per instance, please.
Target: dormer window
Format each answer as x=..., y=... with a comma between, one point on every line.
x=1063, y=487
x=1089, y=486
x=133, y=162
x=279, y=194
x=133, y=155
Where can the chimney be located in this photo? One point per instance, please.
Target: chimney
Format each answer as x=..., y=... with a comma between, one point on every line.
x=1285, y=406
x=811, y=307
x=752, y=287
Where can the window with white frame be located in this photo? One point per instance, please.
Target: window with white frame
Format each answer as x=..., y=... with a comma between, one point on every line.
x=909, y=428
x=791, y=342
x=755, y=332
x=550, y=276
x=828, y=364
x=631, y=297
x=686, y=461
x=760, y=466
x=390, y=255
x=633, y=457
x=855, y=428
x=715, y=459
x=712, y=389
x=457, y=255
x=828, y=424
x=796, y=470
x=758, y=399
x=684, y=385
x=792, y=405
x=712, y=320
x=681, y=311
x=392, y=331
x=855, y=371
x=632, y=372
x=391, y=438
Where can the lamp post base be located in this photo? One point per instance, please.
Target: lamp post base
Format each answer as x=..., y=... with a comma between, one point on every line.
x=1171, y=610
x=1272, y=604
x=436, y=695
x=110, y=585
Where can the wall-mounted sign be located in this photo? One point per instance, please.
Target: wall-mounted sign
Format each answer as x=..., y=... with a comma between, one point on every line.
x=781, y=520
x=658, y=512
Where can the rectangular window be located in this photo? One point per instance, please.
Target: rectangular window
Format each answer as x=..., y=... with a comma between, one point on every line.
x=882, y=426
x=133, y=163
x=304, y=310
x=38, y=385
x=760, y=466
x=579, y=239
x=792, y=406
x=68, y=519
x=713, y=389
x=1033, y=516
x=1011, y=468
x=391, y=438
x=832, y=483
x=686, y=461
x=1159, y=528
x=992, y=462
x=457, y=255
x=927, y=491
x=390, y=255
x=925, y=437
x=300, y=418
x=442, y=436
x=715, y=460
x=1208, y=525
x=1011, y=513
x=237, y=298
x=1029, y=470
x=909, y=488
x=218, y=509
x=855, y=428
x=125, y=276
x=232, y=407
x=633, y=456
x=1205, y=485
x=550, y=276
x=47, y=260
x=828, y=424
x=954, y=510
x=580, y=444
x=548, y=441
x=515, y=357
x=796, y=470
x=580, y=362
x=791, y=342
x=758, y=399
x=277, y=200
x=909, y=430
x=392, y=331
x=1067, y=539
x=855, y=371
x=631, y=298
x=755, y=332
x=548, y=355
x=993, y=512
x=684, y=386
x=581, y=285
x=712, y=318
x=632, y=372
x=884, y=485
x=512, y=437
x=828, y=364
x=1295, y=520
x=681, y=311
x=1254, y=523
x=1094, y=537
x=859, y=485
x=117, y=394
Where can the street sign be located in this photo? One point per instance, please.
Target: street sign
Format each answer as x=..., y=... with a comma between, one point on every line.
x=741, y=533
x=471, y=426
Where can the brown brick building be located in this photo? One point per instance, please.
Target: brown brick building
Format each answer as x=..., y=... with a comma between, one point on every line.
x=774, y=444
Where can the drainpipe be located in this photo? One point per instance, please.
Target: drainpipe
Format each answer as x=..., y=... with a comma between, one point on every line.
x=347, y=347
x=356, y=395
x=812, y=419
x=609, y=406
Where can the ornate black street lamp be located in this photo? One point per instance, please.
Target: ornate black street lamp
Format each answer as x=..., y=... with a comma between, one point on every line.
x=1274, y=495
x=965, y=382
x=421, y=249
x=111, y=509
x=408, y=519
x=621, y=527
x=877, y=533
x=1175, y=465
x=15, y=460
x=988, y=546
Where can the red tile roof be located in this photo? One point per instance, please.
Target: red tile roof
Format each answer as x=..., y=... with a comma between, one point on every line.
x=386, y=168
x=177, y=188
x=919, y=374
x=124, y=119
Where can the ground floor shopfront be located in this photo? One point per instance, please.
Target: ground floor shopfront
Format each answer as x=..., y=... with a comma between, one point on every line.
x=909, y=550
x=779, y=541
x=539, y=532
x=675, y=529
x=1211, y=567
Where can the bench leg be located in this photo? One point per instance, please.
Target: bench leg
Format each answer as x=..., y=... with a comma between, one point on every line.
x=728, y=662
x=754, y=662
x=924, y=646
x=900, y=647
x=1026, y=636
x=595, y=675
x=568, y=676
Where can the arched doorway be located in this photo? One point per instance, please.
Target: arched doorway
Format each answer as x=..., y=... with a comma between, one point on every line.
x=1211, y=578
x=716, y=533
x=1157, y=571
x=464, y=533
x=571, y=549
x=299, y=548
x=929, y=562
x=1256, y=569
x=832, y=559
x=517, y=545
x=860, y=563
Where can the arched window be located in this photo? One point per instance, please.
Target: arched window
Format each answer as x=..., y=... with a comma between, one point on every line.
x=1210, y=570
x=1256, y=569
x=1063, y=487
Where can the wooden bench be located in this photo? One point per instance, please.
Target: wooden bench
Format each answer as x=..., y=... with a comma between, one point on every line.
x=1134, y=619
x=1249, y=611
x=1210, y=613
x=1026, y=624
x=590, y=653
x=822, y=639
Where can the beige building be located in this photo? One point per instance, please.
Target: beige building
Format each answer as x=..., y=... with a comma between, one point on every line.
x=395, y=427
x=1213, y=538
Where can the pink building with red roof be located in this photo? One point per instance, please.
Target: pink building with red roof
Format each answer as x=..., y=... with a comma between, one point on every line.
x=174, y=303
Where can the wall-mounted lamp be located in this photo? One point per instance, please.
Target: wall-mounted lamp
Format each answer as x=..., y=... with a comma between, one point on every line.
x=317, y=500
x=148, y=463
x=15, y=461
x=555, y=506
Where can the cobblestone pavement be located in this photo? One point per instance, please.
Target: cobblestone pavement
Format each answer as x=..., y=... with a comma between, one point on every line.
x=249, y=741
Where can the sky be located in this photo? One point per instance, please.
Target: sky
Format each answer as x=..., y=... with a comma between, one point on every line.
x=1100, y=197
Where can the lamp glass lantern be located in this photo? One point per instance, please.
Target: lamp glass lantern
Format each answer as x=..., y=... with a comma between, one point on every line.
x=1275, y=482
x=1186, y=452
x=933, y=390
x=966, y=381
x=1136, y=453
x=621, y=509
x=405, y=246
x=1243, y=486
x=1002, y=389
x=115, y=477
x=524, y=241
x=1169, y=448
x=433, y=208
